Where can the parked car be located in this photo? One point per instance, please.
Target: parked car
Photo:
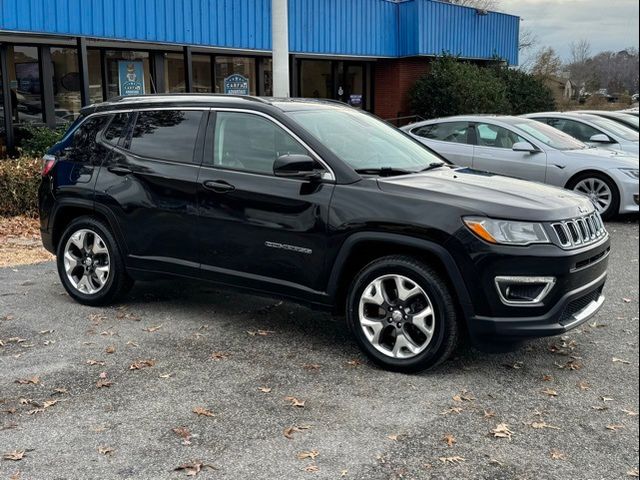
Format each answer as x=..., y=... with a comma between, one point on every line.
x=322, y=204
x=531, y=150
x=592, y=130
x=631, y=111
x=629, y=121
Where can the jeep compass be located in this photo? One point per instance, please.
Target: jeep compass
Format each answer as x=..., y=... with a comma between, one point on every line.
x=322, y=204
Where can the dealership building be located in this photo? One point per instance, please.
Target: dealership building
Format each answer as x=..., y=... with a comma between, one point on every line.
x=59, y=55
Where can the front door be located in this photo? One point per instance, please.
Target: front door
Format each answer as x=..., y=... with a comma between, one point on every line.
x=258, y=230
x=337, y=80
x=494, y=153
x=351, y=84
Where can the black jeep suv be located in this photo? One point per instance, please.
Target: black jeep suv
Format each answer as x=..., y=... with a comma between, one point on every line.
x=322, y=204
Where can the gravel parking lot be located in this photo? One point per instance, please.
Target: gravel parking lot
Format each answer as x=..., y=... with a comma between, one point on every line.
x=186, y=375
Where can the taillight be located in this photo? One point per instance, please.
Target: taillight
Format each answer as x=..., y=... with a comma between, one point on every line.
x=48, y=161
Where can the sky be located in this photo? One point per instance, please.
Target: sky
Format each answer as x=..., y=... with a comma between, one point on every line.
x=606, y=24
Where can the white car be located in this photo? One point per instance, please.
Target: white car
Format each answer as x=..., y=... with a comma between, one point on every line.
x=592, y=130
x=523, y=148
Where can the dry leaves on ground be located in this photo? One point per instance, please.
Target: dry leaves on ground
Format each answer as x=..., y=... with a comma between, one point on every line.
x=194, y=468
x=141, y=364
x=557, y=455
x=502, y=431
x=614, y=428
x=295, y=402
x=550, y=391
x=290, y=431
x=312, y=454
x=543, y=425
x=203, y=412
x=35, y=380
x=451, y=460
x=312, y=468
x=16, y=455
x=152, y=329
x=20, y=242
x=106, y=450
x=184, y=434
x=218, y=356
x=265, y=389
x=449, y=439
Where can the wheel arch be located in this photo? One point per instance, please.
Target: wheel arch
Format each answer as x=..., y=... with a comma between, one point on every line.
x=362, y=248
x=586, y=173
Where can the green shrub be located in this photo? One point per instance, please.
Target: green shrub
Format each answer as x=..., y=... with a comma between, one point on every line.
x=35, y=141
x=455, y=87
x=19, y=181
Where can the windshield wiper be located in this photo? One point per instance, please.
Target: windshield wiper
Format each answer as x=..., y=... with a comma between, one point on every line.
x=385, y=171
x=433, y=166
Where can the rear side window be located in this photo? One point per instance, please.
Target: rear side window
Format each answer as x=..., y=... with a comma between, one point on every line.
x=81, y=145
x=166, y=135
x=577, y=130
x=456, y=132
x=116, y=128
x=494, y=136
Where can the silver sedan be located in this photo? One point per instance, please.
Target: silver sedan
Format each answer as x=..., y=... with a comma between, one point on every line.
x=530, y=150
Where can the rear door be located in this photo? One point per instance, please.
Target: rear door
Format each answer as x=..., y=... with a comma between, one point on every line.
x=149, y=184
x=453, y=140
x=258, y=230
x=494, y=153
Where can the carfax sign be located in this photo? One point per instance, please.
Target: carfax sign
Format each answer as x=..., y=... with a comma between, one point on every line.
x=131, y=78
x=236, y=84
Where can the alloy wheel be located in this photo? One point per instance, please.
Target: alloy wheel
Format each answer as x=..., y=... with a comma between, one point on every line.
x=396, y=316
x=598, y=191
x=87, y=261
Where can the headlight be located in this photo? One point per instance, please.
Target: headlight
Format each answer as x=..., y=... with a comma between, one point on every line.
x=630, y=172
x=507, y=232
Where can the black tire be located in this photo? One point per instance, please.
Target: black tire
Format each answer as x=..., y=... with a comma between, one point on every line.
x=614, y=206
x=446, y=333
x=118, y=282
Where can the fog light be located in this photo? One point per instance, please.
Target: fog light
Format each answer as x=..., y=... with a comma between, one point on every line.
x=524, y=290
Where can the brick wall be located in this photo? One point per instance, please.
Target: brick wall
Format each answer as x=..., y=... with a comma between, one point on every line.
x=392, y=79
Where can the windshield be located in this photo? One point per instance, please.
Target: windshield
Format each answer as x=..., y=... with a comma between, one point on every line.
x=614, y=128
x=364, y=142
x=550, y=136
x=625, y=120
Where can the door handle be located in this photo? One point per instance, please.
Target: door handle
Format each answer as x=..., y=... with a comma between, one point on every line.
x=120, y=170
x=218, y=186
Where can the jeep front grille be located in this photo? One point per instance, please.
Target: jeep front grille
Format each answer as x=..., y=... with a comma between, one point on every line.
x=579, y=232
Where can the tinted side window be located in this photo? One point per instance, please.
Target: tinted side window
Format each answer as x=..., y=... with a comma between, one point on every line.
x=82, y=143
x=166, y=135
x=251, y=143
x=456, y=132
x=497, y=137
x=116, y=128
x=577, y=130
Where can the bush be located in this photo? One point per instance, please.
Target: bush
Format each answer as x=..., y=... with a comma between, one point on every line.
x=455, y=87
x=35, y=141
x=19, y=182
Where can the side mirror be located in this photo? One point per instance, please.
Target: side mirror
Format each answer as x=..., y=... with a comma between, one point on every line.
x=296, y=166
x=600, y=138
x=524, y=147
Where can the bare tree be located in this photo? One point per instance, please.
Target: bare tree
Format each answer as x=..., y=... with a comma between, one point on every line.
x=580, y=51
x=580, y=68
x=547, y=63
x=527, y=42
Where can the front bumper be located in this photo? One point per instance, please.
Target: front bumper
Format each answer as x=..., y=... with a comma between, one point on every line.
x=629, y=196
x=575, y=308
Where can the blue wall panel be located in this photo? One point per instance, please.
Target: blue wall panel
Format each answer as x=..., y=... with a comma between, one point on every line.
x=377, y=28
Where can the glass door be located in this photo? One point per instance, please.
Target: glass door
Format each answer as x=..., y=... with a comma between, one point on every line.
x=351, y=84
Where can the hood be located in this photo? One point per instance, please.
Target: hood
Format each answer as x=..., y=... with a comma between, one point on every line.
x=483, y=193
x=613, y=158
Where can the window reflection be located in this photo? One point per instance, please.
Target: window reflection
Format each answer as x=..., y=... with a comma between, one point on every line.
x=66, y=84
x=24, y=85
x=174, y=77
x=201, y=65
x=227, y=66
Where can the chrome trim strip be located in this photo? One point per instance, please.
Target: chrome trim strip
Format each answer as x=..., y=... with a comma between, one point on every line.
x=590, y=229
x=587, y=312
x=525, y=280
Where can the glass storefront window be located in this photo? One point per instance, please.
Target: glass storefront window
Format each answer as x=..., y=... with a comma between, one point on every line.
x=227, y=66
x=316, y=79
x=66, y=84
x=174, y=78
x=95, y=76
x=24, y=85
x=127, y=67
x=267, y=68
x=201, y=65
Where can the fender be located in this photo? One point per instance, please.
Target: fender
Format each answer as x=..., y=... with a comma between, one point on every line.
x=438, y=250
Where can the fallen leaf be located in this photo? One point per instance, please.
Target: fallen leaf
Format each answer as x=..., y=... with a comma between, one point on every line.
x=96, y=362
x=489, y=414
x=557, y=455
x=311, y=366
x=615, y=428
x=311, y=468
x=217, y=356
x=265, y=389
x=110, y=349
x=463, y=397
x=165, y=375
x=203, y=412
x=152, y=329
x=184, y=434
x=312, y=454
x=551, y=392
x=451, y=460
x=607, y=399
x=103, y=382
x=502, y=431
x=105, y=450
x=449, y=439
x=193, y=468
x=289, y=431
x=35, y=380
x=547, y=378
x=600, y=407
x=46, y=332
x=584, y=386
x=140, y=364
x=16, y=455
x=456, y=410
x=626, y=300
x=515, y=366
x=49, y=403
x=354, y=363
x=620, y=360
x=541, y=425
x=295, y=402
x=630, y=412
x=344, y=473
x=395, y=437
x=634, y=472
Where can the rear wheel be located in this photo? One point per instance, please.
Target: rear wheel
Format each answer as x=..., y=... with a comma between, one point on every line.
x=601, y=190
x=402, y=314
x=90, y=265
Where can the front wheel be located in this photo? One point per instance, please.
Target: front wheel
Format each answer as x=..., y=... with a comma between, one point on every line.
x=402, y=314
x=89, y=263
x=601, y=190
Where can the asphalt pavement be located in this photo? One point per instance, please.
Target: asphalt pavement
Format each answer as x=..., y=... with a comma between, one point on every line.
x=187, y=375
